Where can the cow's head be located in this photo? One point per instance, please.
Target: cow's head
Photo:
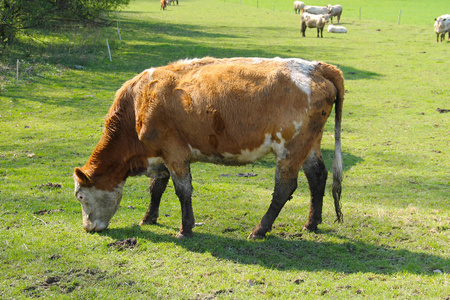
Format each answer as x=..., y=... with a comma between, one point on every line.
x=98, y=206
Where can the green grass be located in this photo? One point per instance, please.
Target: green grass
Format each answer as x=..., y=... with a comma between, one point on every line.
x=396, y=189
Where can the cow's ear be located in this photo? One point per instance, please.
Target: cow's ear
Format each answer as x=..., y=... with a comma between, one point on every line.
x=83, y=177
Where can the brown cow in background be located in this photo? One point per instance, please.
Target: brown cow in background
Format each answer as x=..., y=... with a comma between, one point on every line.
x=226, y=111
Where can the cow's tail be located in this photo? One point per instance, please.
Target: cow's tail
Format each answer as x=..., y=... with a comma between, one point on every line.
x=335, y=76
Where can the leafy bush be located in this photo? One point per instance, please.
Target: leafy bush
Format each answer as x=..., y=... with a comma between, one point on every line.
x=17, y=15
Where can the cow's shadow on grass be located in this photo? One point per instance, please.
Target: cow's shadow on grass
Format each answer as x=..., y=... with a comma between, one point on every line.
x=349, y=160
x=295, y=252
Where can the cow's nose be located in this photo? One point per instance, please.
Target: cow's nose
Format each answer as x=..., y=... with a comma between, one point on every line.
x=96, y=226
x=100, y=226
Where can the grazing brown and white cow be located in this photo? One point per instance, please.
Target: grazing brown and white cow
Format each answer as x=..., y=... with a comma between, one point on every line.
x=226, y=111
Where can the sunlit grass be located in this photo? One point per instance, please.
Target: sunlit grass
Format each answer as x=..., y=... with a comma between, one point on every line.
x=392, y=244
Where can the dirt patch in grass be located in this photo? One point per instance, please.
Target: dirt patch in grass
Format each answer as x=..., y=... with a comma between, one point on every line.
x=48, y=211
x=123, y=244
x=66, y=282
x=50, y=185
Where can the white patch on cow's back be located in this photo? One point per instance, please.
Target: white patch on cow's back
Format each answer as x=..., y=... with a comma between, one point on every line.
x=300, y=71
x=257, y=60
x=150, y=72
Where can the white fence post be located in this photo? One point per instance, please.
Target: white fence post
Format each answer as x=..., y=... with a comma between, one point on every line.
x=17, y=74
x=118, y=30
x=109, y=51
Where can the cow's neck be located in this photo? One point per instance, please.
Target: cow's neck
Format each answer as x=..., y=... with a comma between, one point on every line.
x=119, y=153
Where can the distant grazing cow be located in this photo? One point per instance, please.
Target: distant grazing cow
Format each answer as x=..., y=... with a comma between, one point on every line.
x=313, y=21
x=298, y=5
x=224, y=111
x=163, y=4
x=316, y=10
x=335, y=11
x=441, y=27
x=172, y=1
x=336, y=29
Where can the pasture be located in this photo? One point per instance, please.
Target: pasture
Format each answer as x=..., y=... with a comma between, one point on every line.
x=394, y=242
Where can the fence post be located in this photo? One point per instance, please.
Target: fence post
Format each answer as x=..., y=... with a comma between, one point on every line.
x=17, y=74
x=118, y=30
x=399, y=15
x=360, y=12
x=109, y=51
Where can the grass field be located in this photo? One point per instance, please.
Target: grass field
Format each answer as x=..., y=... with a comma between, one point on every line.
x=394, y=242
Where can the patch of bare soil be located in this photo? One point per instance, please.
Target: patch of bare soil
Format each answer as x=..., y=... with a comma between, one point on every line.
x=50, y=185
x=250, y=174
x=48, y=211
x=441, y=110
x=123, y=244
x=65, y=282
x=214, y=294
x=287, y=235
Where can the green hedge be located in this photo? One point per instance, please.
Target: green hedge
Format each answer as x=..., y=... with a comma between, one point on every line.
x=18, y=15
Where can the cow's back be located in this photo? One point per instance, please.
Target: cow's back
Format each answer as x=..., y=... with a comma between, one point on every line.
x=231, y=110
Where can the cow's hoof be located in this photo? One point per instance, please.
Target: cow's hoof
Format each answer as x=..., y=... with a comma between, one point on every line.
x=148, y=222
x=253, y=236
x=184, y=235
x=310, y=227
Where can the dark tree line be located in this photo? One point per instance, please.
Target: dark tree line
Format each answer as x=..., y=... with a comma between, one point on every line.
x=16, y=15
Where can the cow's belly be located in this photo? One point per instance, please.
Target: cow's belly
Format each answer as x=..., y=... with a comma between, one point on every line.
x=243, y=156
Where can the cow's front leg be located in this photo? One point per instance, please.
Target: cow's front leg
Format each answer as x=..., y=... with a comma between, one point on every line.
x=156, y=188
x=285, y=185
x=183, y=189
x=316, y=173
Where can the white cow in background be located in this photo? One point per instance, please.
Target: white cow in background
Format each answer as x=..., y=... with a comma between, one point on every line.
x=316, y=10
x=313, y=21
x=335, y=11
x=298, y=5
x=336, y=29
x=441, y=27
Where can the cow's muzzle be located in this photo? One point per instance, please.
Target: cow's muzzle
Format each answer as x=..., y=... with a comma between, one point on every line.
x=95, y=226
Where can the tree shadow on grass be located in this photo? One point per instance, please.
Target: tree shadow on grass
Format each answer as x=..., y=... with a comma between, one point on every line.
x=351, y=73
x=294, y=253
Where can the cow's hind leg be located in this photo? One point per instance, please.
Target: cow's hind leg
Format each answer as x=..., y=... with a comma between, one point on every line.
x=316, y=173
x=183, y=189
x=285, y=185
x=156, y=188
